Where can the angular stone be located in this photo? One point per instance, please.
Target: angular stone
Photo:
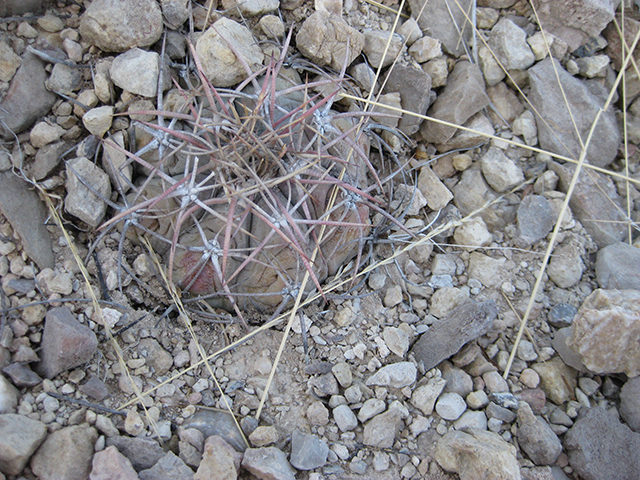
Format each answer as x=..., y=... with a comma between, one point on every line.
x=556, y=131
x=536, y=438
x=573, y=21
x=66, y=343
x=596, y=332
x=66, y=454
x=382, y=429
x=142, y=452
x=434, y=191
x=98, y=120
x=20, y=437
x=15, y=198
x=449, y=334
x=136, y=71
x=436, y=19
x=219, y=62
x=82, y=202
x=397, y=340
x=323, y=38
x=477, y=454
x=370, y=408
x=268, y=463
x=501, y=173
x=157, y=358
x=345, y=418
x=27, y=98
x=509, y=43
x=414, y=86
x=119, y=25
x=169, y=466
x=487, y=270
x=566, y=266
x=556, y=379
x=308, y=452
x=463, y=97
x=617, y=267
x=109, y=464
x=472, y=234
x=598, y=445
x=211, y=422
x=382, y=47
x=21, y=375
x=535, y=220
x=219, y=460
x=47, y=159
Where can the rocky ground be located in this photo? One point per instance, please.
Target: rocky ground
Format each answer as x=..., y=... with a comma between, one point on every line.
x=403, y=378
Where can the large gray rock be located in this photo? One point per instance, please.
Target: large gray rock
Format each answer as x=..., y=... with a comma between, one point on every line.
x=143, y=453
x=81, y=201
x=219, y=62
x=169, y=466
x=617, y=267
x=477, y=454
x=27, y=98
x=119, y=25
x=601, y=448
x=66, y=454
x=595, y=202
x=449, y=334
x=20, y=437
x=536, y=438
x=323, y=38
x=445, y=21
x=606, y=330
x=308, y=451
x=535, y=220
x=66, y=343
x=463, y=97
x=414, y=86
x=16, y=198
x=575, y=21
x=556, y=131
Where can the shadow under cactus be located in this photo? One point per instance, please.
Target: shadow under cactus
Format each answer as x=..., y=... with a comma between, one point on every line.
x=247, y=190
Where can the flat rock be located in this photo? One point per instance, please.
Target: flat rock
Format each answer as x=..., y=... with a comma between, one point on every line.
x=323, y=38
x=370, y=408
x=136, y=71
x=119, y=25
x=414, y=86
x=21, y=436
x=66, y=343
x=477, y=454
x=575, y=22
x=436, y=20
x=16, y=197
x=47, y=159
x=434, y=191
x=381, y=430
x=598, y=444
x=268, y=463
x=308, y=451
x=617, y=267
x=462, y=97
x=630, y=403
x=449, y=334
x=66, y=454
x=535, y=219
x=169, y=466
x=21, y=375
x=219, y=62
x=211, y=422
x=596, y=332
x=595, y=198
x=396, y=375
x=142, y=452
x=252, y=8
x=109, y=464
x=556, y=131
x=81, y=201
x=536, y=438
x=219, y=460
x=509, y=43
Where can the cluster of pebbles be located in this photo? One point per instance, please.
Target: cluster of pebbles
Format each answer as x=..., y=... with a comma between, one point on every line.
x=404, y=379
